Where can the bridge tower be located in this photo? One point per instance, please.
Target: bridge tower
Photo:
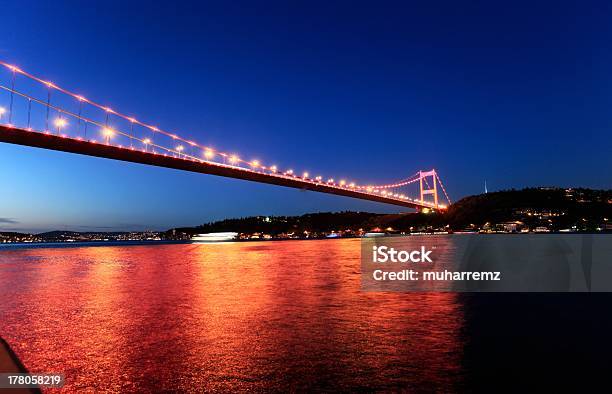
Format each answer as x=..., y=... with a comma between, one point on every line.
x=423, y=175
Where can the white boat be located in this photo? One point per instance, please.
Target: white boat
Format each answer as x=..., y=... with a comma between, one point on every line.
x=374, y=234
x=214, y=237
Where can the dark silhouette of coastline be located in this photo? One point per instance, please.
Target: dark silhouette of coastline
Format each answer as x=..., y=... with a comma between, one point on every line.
x=543, y=209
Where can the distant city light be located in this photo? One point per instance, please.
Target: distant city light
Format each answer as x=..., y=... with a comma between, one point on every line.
x=273, y=169
x=255, y=163
x=233, y=159
x=209, y=154
x=305, y=175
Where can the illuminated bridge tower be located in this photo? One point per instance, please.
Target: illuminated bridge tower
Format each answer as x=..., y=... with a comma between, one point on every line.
x=423, y=175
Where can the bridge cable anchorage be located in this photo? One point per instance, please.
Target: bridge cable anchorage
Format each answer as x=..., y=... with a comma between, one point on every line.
x=178, y=147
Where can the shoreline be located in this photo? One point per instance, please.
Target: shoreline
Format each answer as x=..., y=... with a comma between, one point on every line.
x=40, y=245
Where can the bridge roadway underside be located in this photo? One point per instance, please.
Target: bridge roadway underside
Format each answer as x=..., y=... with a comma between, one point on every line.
x=53, y=142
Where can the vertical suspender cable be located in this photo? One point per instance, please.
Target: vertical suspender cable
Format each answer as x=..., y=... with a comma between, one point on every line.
x=29, y=111
x=48, y=105
x=10, y=119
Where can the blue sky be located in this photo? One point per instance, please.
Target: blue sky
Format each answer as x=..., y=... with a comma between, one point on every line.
x=514, y=93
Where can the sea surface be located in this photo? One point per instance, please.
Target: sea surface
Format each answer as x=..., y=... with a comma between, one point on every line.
x=283, y=316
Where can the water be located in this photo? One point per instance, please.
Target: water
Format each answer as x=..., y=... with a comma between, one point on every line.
x=280, y=316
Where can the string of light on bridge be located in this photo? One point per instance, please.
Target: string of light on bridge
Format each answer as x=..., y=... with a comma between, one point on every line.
x=181, y=144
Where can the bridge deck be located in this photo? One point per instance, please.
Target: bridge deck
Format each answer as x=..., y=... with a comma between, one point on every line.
x=53, y=142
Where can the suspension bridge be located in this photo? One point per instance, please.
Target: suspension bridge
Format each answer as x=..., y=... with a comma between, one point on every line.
x=41, y=114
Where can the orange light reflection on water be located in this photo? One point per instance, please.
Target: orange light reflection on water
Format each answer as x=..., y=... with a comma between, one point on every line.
x=229, y=316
